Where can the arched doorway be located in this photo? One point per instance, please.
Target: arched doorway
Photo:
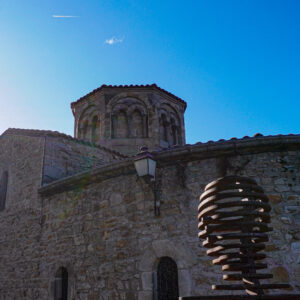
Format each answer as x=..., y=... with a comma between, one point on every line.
x=167, y=279
x=61, y=284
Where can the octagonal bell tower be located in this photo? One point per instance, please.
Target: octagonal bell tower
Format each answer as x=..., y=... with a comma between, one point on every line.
x=124, y=118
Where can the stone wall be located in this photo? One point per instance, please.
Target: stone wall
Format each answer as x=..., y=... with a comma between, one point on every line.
x=61, y=155
x=101, y=227
x=22, y=158
x=66, y=157
x=128, y=117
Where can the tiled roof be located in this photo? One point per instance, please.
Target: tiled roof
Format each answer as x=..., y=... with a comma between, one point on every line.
x=174, y=154
x=256, y=137
x=50, y=133
x=154, y=86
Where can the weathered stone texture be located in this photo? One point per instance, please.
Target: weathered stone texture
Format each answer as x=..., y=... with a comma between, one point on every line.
x=22, y=157
x=106, y=235
x=128, y=117
x=65, y=157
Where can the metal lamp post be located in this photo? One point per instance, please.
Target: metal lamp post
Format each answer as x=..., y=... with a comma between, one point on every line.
x=145, y=166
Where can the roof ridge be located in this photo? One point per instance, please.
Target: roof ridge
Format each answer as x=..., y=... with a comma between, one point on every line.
x=153, y=85
x=103, y=172
x=257, y=136
x=57, y=134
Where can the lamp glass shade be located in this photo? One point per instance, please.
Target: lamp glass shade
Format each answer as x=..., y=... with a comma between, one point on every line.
x=145, y=167
x=152, y=167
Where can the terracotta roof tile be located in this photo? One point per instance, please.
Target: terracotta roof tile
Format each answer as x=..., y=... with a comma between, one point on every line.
x=257, y=135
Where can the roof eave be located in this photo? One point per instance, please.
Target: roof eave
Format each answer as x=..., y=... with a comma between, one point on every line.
x=153, y=86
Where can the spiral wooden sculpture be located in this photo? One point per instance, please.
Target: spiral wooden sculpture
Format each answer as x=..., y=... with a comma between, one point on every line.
x=233, y=218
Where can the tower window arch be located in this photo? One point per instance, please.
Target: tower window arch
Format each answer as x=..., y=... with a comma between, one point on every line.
x=85, y=123
x=95, y=130
x=136, y=128
x=85, y=128
x=3, y=189
x=61, y=284
x=128, y=118
x=164, y=127
x=174, y=132
x=121, y=125
x=166, y=281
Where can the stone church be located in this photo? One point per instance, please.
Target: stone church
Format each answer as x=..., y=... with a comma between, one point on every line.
x=77, y=221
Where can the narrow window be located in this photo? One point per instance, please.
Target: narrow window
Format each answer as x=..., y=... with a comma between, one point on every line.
x=164, y=128
x=61, y=284
x=174, y=132
x=95, y=129
x=136, y=128
x=166, y=280
x=3, y=189
x=113, y=125
x=145, y=122
x=122, y=125
x=85, y=129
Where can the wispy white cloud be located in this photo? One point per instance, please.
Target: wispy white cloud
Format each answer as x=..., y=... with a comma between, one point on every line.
x=113, y=41
x=63, y=16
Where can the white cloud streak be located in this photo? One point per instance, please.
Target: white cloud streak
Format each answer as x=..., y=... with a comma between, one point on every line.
x=62, y=16
x=113, y=41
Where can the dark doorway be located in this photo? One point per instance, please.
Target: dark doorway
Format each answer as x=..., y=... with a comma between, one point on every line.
x=167, y=279
x=61, y=284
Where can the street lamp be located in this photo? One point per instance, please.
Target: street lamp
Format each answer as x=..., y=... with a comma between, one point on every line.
x=145, y=166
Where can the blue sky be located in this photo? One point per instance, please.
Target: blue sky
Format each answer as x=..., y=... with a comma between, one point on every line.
x=236, y=62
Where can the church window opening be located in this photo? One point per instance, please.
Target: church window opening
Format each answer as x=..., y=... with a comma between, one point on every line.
x=167, y=280
x=113, y=125
x=136, y=127
x=174, y=132
x=61, y=284
x=85, y=128
x=122, y=125
x=164, y=128
x=95, y=129
x=3, y=189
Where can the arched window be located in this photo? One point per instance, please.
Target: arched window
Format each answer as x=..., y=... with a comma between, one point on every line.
x=164, y=128
x=136, y=128
x=95, y=130
x=61, y=284
x=3, y=189
x=174, y=132
x=114, y=120
x=122, y=125
x=166, y=280
x=85, y=129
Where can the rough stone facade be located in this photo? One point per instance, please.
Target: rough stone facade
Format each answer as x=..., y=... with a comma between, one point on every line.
x=97, y=219
x=128, y=117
